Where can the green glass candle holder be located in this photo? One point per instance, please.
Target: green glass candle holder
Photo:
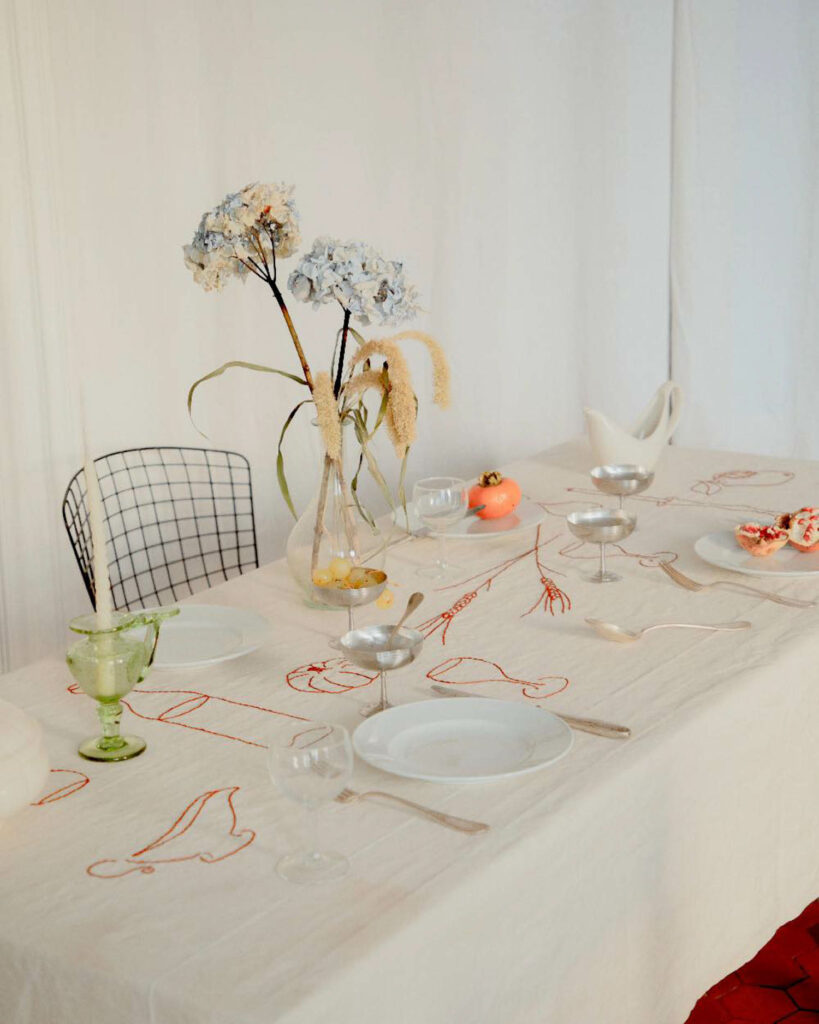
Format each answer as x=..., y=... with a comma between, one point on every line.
x=107, y=664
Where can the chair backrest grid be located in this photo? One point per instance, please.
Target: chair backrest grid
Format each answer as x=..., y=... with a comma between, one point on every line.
x=155, y=506
x=215, y=514
x=130, y=552
x=138, y=486
x=174, y=521
x=196, y=525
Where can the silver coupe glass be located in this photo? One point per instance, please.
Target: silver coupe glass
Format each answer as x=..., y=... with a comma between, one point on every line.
x=601, y=526
x=622, y=480
x=370, y=648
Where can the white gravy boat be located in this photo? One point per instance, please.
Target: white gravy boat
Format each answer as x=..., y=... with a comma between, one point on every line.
x=614, y=446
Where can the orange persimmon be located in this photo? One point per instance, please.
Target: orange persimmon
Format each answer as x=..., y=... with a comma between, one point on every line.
x=500, y=495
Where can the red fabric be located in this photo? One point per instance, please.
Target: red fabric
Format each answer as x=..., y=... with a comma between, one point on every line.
x=779, y=984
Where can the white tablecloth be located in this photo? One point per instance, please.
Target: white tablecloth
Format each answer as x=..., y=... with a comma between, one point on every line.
x=616, y=885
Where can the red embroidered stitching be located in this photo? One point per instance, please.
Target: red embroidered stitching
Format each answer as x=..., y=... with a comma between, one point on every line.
x=740, y=478
x=550, y=596
x=68, y=789
x=141, y=863
x=470, y=671
x=194, y=700
x=670, y=501
x=335, y=675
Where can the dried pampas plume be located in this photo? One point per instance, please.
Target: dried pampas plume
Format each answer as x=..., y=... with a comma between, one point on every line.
x=401, y=406
x=440, y=366
x=327, y=415
x=364, y=382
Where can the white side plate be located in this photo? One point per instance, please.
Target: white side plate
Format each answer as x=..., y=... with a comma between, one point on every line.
x=526, y=516
x=472, y=739
x=722, y=550
x=204, y=634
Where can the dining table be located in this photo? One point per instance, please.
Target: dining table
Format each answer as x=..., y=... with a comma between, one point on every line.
x=615, y=885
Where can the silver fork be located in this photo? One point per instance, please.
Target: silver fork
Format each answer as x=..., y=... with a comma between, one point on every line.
x=685, y=581
x=347, y=796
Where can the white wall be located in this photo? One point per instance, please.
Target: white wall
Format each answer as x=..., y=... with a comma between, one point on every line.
x=515, y=154
x=745, y=252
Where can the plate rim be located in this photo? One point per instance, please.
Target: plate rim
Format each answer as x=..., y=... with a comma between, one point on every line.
x=397, y=516
x=243, y=648
x=469, y=779
x=745, y=570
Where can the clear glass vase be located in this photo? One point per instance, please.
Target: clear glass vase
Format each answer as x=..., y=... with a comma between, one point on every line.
x=336, y=532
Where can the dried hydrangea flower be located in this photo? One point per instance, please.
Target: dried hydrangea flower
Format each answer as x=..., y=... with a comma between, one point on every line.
x=371, y=288
x=247, y=227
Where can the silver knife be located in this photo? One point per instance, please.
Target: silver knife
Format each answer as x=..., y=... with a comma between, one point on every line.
x=592, y=725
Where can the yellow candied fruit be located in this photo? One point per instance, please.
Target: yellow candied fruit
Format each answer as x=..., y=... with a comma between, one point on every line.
x=356, y=579
x=385, y=600
x=340, y=568
x=323, y=578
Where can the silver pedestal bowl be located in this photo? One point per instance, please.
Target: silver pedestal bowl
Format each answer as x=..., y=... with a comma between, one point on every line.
x=621, y=480
x=351, y=597
x=368, y=649
x=601, y=526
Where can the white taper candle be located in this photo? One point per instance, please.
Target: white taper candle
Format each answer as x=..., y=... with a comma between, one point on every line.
x=106, y=672
x=96, y=520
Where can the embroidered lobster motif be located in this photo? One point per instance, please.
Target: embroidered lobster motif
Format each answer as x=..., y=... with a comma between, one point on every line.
x=550, y=597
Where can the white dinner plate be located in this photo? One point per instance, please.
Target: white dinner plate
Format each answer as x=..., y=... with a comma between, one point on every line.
x=470, y=739
x=204, y=634
x=526, y=516
x=722, y=550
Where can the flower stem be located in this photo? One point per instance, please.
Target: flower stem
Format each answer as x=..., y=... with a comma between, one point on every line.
x=340, y=370
x=292, y=328
x=318, y=526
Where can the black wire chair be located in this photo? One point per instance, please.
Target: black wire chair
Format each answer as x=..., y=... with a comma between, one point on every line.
x=178, y=520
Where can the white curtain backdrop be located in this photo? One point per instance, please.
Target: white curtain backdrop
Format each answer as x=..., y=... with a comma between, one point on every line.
x=518, y=156
x=745, y=249
x=515, y=154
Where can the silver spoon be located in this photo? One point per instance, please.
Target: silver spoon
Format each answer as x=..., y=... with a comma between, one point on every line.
x=609, y=631
x=413, y=602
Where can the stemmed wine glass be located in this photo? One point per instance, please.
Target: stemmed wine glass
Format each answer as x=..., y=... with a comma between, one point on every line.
x=311, y=764
x=440, y=502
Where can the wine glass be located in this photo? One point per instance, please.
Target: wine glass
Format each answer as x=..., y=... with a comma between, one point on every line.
x=440, y=502
x=311, y=764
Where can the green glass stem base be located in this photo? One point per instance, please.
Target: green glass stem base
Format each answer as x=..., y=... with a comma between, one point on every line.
x=111, y=746
x=121, y=748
